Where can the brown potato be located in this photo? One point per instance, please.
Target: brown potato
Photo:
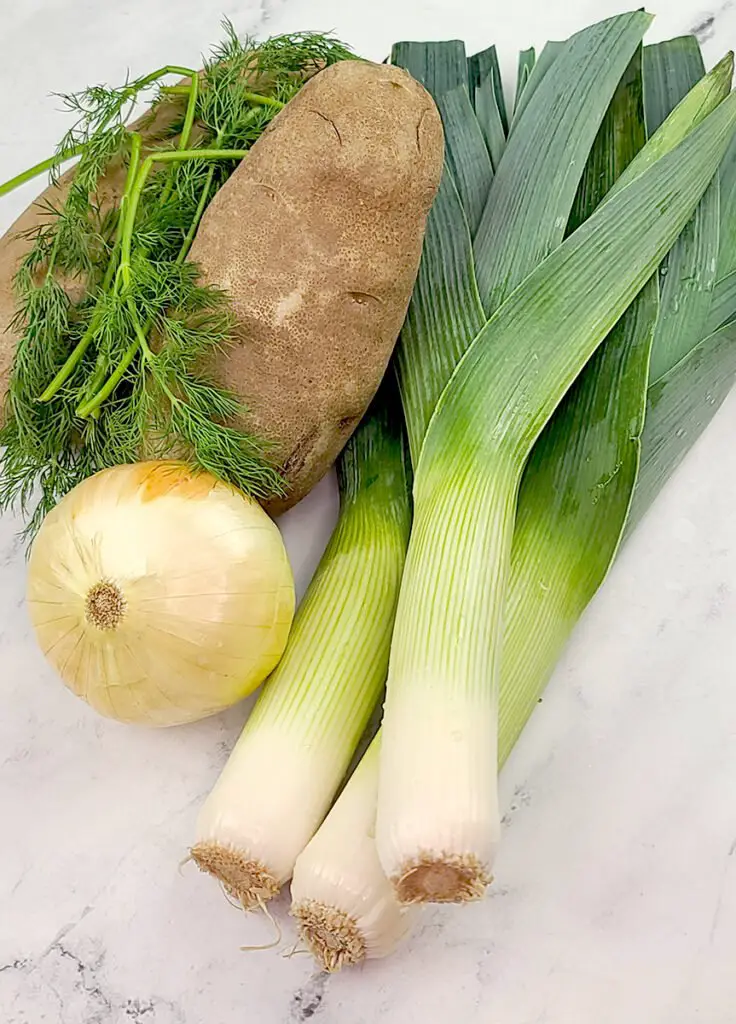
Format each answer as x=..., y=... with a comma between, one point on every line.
x=317, y=238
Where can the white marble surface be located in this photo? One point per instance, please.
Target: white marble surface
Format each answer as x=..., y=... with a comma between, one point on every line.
x=616, y=892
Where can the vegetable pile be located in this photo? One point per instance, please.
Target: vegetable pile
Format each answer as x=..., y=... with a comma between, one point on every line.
x=570, y=333
x=121, y=370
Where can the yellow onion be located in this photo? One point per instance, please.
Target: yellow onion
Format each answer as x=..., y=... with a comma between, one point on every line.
x=158, y=594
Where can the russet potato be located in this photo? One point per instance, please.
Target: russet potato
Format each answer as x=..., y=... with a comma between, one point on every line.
x=317, y=238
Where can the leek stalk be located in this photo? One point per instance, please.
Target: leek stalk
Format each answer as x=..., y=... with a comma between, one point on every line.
x=297, y=744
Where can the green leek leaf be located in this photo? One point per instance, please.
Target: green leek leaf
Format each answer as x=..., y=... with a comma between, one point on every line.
x=531, y=350
x=693, y=109
x=444, y=314
x=440, y=67
x=687, y=276
x=482, y=66
x=534, y=188
x=549, y=54
x=723, y=302
x=670, y=70
x=489, y=119
x=680, y=405
x=727, y=255
x=523, y=72
x=466, y=153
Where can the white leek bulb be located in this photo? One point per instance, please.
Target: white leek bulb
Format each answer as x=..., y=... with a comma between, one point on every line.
x=344, y=904
x=160, y=595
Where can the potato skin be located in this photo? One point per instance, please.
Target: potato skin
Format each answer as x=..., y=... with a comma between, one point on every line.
x=317, y=238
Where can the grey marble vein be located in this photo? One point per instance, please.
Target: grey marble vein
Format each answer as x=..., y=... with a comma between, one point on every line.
x=706, y=26
x=307, y=999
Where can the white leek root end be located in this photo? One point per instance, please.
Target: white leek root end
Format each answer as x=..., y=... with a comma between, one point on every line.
x=345, y=905
x=442, y=879
x=247, y=881
x=438, y=822
x=333, y=937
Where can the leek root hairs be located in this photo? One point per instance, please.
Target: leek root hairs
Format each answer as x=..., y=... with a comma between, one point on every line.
x=445, y=879
x=276, y=941
x=333, y=936
x=344, y=905
x=246, y=880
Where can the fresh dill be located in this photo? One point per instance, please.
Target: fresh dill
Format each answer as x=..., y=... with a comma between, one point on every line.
x=122, y=372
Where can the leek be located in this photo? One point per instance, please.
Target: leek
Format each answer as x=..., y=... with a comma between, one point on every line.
x=437, y=824
x=341, y=897
x=297, y=744
x=343, y=903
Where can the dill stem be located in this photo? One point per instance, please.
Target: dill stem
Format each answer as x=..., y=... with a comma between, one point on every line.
x=167, y=69
x=189, y=238
x=171, y=156
x=189, y=116
x=263, y=101
x=59, y=158
x=88, y=408
x=192, y=91
x=98, y=378
x=84, y=342
x=39, y=168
